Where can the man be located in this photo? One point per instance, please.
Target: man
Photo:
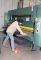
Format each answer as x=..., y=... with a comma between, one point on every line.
x=10, y=31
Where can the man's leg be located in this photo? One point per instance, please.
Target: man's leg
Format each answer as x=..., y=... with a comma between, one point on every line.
x=6, y=39
x=12, y=41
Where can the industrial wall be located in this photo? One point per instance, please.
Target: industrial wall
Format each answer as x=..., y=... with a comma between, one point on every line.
x=6, y=5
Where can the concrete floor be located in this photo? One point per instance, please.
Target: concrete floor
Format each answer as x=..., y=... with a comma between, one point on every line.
x=25, y=54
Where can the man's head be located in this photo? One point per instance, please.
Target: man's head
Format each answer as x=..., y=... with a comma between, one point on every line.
x=19, y=20
x=15, y=18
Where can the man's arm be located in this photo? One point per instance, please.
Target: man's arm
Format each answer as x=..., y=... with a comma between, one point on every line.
x=19, y=29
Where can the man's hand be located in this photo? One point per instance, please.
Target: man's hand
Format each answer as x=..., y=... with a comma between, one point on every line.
x=24, y=34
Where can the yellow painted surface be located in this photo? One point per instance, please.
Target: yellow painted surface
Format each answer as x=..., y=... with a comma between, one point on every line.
x=27, y=28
